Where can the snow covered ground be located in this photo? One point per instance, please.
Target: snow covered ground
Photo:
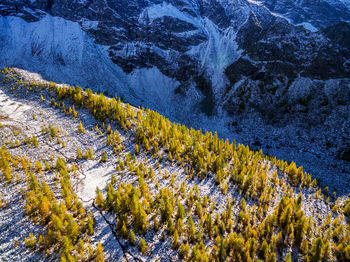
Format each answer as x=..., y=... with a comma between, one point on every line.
x=18, y=110
x=62, y=52
x=289, y=142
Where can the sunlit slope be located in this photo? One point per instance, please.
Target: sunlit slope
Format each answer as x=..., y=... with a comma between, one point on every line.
x=164, y=191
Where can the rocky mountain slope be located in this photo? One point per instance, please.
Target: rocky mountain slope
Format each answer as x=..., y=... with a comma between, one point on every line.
x=85, y=177
x=252, y=66
x=193, y=42
x=316, y=14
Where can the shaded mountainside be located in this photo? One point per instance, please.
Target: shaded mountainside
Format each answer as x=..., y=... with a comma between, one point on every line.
x=194, y=41
x=319, y=14
x=273, y=69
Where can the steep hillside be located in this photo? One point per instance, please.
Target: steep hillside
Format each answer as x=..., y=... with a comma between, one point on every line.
x=246, y=69
x=190, y=42
x=87, y=177
x=184, y=40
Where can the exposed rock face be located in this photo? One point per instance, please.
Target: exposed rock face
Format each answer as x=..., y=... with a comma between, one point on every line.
x=318, y=13
x=339, y=33
x=282, y=60
x=174, y=36
x=184, y=39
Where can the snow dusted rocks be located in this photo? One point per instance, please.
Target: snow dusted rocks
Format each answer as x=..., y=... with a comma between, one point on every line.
x=312, y=14
x=190, y=42
x=300, y=89
x=231, y=59
x=165, y=174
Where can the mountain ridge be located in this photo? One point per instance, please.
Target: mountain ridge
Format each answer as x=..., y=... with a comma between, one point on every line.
x=163, y=190
x=238, y=62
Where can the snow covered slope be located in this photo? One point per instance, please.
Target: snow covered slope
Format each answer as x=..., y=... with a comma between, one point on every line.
x=229, y=59
x=318, y=14
x=41, y=134
x=189, y=42
x=62, y=51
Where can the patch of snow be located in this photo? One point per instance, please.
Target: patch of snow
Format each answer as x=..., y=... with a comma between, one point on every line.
x=30, y=11
x=11, y=109
x=308, y=26
x=217, y=53
x=97, y=175
x=287, y=142
x=166, y=9
x=281, y=16
x=87, y=24
x=152, y=83
x=254, y=2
